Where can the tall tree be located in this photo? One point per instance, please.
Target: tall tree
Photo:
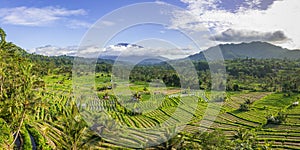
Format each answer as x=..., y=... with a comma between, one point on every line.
x=2, y=35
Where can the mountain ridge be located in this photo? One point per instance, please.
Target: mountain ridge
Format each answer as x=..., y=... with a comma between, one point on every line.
x=257, y=49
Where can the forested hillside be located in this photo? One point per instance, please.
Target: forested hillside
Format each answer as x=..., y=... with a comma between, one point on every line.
x=258, y=50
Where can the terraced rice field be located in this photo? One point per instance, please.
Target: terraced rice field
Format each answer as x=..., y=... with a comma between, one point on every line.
x=172, y=111
x=283, y=136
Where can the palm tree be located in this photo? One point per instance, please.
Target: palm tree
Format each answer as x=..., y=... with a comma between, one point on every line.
x=137, y=96
x=2, y=35
x=17, y=97
x=245, y=139
x=68, y=130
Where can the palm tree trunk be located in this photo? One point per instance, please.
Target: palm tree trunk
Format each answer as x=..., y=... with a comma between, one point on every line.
x=19, y=128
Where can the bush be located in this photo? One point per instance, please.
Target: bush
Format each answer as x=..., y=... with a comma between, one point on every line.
x=102, y=88
x=5, y=134
x=244, y=107
x=248, y=101
x=145, y=89
x=278, y=119
x=235, y=87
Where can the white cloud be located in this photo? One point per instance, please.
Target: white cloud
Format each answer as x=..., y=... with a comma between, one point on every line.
x=104, y=24
x=130, y=50
x=89, y=51
x=82, y=51
x=253, y=3
x=162, y=31
x=74, y=24
x=232, y=35
x=280, y=16
x=201, y=6
x=160, y=2
x=50, y=50
x=136, y=50
x=107, y=23
x=31, y=16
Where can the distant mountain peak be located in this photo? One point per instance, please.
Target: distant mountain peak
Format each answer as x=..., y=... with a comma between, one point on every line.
x=256, y=49
x=128, y=45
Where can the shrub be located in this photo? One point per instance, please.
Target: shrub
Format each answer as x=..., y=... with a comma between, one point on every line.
x=248, y=101
x=102, y=88
x=244, y=107
x=5, y=134
x=145, y=89
x=278, y=119
x=236, y=87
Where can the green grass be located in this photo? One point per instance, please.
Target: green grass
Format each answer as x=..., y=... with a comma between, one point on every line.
x=276, y=101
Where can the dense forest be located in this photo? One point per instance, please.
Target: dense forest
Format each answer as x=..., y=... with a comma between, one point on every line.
x=38, y=109
x=274, y=75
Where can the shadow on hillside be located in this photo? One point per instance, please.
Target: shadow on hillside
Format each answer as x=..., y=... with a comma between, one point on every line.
x=237, y=111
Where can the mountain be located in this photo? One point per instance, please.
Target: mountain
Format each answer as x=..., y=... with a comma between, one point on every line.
x=128, y=45
x=133, y=59
x=259, y=50
x=130, y=53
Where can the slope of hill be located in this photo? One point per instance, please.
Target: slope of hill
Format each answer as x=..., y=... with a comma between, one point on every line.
x=259, y=50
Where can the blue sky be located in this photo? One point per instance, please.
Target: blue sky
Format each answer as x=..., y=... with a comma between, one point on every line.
x=60, y=32
x=54, y=27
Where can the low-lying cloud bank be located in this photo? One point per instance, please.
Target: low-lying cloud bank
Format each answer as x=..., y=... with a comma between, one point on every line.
x=121, y=49
x=232, y=35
